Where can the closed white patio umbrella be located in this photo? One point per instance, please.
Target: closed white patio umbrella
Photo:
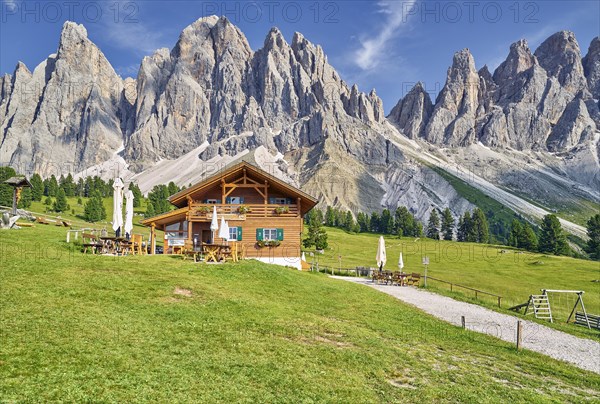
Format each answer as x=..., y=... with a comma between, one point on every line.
x=381, y=256
x=117, y=220
x=214, y=224
x=400, y=262
x=224, y=230
x=128, y=213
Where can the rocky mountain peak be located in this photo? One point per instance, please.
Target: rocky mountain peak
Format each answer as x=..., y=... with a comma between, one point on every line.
x=463, y=61
x=21, y=71
x=274, y=39
x=591, y=67
x=412, y=112
x=519, y=59
x=485, y=74
x=560, y=56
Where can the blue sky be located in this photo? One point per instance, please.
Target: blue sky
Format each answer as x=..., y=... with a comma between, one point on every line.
x=386, y=45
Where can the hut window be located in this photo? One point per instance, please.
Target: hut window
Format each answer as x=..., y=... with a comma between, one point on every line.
x=269, y=234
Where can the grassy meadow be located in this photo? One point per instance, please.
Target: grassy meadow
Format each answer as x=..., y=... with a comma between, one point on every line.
x=155, y=328
x=514, y=274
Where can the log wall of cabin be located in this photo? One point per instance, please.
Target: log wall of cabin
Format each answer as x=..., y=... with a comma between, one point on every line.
x=249, y=194
x=290, y=246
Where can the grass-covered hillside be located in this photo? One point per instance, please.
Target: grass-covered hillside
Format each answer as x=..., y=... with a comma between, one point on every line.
x=155, y=328
x=504, y=271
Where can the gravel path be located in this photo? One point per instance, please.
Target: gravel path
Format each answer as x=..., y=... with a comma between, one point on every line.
x=581, y=352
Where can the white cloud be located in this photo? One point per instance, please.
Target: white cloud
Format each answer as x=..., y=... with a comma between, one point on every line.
x=373, y=48
x=133, y=36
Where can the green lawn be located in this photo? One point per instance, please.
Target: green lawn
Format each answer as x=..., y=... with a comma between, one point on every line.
x=514, y=275
x=155, y=328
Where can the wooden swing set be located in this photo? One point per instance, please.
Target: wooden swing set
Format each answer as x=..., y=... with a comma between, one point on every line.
x=539, y=306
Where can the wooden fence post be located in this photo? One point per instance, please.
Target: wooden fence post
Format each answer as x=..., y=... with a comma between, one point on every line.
x=519, y=334
x=463, y=322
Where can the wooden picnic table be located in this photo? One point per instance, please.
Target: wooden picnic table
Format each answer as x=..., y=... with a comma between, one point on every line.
x=216, y=252
x=114, y=245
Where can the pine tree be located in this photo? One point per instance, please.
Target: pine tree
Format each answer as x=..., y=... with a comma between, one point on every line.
x=516, y=233
x=433, y=225
x=418, y=229
x=94, y=210
x=60, y=204
x=349, y=222
x=68, y=185
x=52, y=187
x=467, y=230
x=137, y=194
x=480, y=226
x=375, y=223
x=362, y=220
x=552, y=238
x=447, y=224
x=593, y=232
x=80, y=187
x=316, y=237
x=404, y=221
x=158, y=197
x=528, y=240
x=37, y=187
x=329, y=217
x=172, y=188
x=387, y=222
x=150, y=210
x=460, y=230
x=6, y=191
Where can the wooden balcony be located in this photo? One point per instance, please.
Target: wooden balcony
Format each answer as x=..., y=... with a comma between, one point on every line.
x=203, y=212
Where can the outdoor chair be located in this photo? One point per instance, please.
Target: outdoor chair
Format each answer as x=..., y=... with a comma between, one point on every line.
x=414, y=279
x=90, y=241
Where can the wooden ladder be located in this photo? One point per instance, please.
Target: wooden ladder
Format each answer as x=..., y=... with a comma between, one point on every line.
x=541, y=307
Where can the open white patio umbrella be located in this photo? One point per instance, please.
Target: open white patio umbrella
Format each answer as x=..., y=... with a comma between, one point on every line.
x=400, y=262
x=117, y=220
x=128, y=213
x=381, y=256
x=214, y=224
x=224, y=230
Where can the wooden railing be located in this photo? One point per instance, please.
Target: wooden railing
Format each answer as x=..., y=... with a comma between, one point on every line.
x=477, y=291
x=205, y=210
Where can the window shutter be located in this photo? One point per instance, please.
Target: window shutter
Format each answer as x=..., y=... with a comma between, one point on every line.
x=259, y=234
x=280, y=234
x=239, y=233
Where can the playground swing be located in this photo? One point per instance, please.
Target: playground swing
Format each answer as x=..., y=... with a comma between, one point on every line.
x=539, y=306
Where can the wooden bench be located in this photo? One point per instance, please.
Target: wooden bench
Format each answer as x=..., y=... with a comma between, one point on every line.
x=593, y=319
x=414, y=279
x=41, y=220
x=382, y=276
x=399, y=278
x=90, y=241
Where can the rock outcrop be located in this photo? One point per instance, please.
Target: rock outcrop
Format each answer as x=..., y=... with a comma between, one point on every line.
x=541, y=101
x=67, y=113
